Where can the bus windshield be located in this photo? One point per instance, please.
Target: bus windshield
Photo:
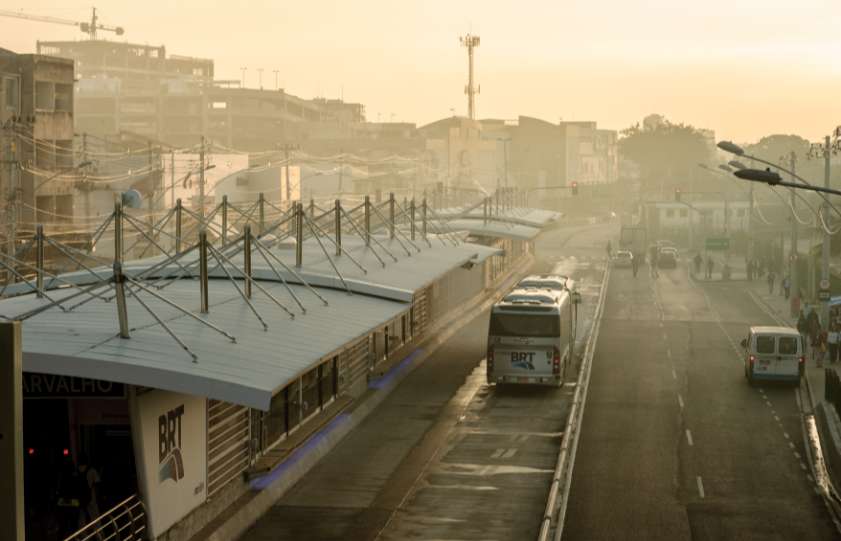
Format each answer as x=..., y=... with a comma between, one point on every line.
x=544, y=325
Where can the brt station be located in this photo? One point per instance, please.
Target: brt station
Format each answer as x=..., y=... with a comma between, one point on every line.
x=196, y=378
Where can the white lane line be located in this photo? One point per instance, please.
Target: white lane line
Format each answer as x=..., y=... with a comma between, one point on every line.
x=497, y=453
x=700, y=486
x=791, y=445
x=797, y=455
x=785, y=435
x=768, y=403
x=665, y=338
x=680, y=401
x=776, y=418
x=674, y=374
x=689, y=438
x=802, y=465
x=509, y=453
x=669, y=353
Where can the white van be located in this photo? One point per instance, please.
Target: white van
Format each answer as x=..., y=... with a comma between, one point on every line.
x=531, y=336
x=774, y=354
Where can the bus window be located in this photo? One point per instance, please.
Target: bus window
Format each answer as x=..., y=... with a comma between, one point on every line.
x=788, y=345
x=525, y=325
x=765, y=345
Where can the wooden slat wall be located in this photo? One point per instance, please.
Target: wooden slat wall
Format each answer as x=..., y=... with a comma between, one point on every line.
x=228, y=435
x=422, y=310
x=353, y=364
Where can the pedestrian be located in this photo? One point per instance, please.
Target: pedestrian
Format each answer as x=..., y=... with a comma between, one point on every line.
x=802, y=326
x=87, y=481
x=814, y=323
x=787, y=287
x=698, y=260
x=832, y=343
x=819, y=348
x=609, y=250
x=710, y=266
x=771, y=279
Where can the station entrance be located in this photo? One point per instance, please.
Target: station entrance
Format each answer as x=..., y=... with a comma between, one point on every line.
x=78, y=455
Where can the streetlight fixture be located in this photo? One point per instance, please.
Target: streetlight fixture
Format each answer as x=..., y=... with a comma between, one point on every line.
x=726, y=168
x=731, y=147
x=735, y=164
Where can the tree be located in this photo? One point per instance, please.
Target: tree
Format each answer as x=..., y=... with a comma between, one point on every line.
x=666, y=153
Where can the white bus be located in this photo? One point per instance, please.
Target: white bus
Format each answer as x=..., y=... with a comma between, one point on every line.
x=531, y=337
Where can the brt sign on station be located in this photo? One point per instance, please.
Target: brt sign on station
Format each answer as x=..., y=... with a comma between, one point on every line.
x=717, y=243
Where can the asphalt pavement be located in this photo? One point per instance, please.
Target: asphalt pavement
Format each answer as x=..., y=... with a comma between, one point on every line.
x=675, y=443
x=446, y=456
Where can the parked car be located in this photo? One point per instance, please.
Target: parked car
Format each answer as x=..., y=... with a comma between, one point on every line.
x=667, y=258
x=623, y=259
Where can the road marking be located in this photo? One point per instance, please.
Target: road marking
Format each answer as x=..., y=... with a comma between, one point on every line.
x=674, y=374
x=785, y=435
x=802, y=465
x=509, y=453
x=791, y=445
x=797, y=455
x=669, y=353
x=776, y=418
x=665, y=338
x=497, y=453
x=700, y=486
x=680, y=401
x=689, y=438
x=661, y=324
x=768, y=403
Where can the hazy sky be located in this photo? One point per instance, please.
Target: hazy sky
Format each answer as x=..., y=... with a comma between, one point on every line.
x=744, y=68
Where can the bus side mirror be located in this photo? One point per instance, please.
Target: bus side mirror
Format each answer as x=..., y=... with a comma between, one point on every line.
x=576, y=297
x=744, y=343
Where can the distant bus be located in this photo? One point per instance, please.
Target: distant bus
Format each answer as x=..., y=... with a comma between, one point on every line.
x=531, y=337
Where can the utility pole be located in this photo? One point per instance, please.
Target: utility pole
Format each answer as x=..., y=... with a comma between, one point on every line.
x=260, y=77
x=275, y=79
x=286, y=148
x=794, y=255
x=827, y=153
x=201, y=181
x=172, y=177
x=341, y=169
x=471, y=89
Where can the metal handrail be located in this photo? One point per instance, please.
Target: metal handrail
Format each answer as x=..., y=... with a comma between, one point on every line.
x=126, y=521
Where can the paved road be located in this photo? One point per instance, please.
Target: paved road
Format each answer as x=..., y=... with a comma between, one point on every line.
x=675, y=444
x=444, y=456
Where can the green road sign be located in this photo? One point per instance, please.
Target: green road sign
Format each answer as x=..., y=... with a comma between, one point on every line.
x=718, y=243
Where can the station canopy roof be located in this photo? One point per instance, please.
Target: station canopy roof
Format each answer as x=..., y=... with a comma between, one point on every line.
x=85, y=342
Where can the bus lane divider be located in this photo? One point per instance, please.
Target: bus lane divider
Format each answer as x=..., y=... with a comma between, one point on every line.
x=556, y=503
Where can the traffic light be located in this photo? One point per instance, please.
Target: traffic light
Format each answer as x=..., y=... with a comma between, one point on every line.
x=574, y=188
x=677, y=195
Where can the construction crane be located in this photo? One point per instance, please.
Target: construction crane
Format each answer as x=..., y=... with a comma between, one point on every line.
x=88, y=28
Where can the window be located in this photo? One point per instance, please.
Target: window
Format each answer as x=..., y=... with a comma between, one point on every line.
x=788, y=345
x=670, y=213
x=64, y=97
x=276, y=420
x=11, y=89
x=525, y=325
x=44, y=96
x=765, y=345
x=310, y=393
x=683, y=213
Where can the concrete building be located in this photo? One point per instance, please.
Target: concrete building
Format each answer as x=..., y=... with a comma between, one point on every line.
x=36, y=115
x=127, y=87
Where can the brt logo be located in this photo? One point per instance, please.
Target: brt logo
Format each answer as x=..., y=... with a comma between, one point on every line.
x=170, y=462
x=522, y=359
